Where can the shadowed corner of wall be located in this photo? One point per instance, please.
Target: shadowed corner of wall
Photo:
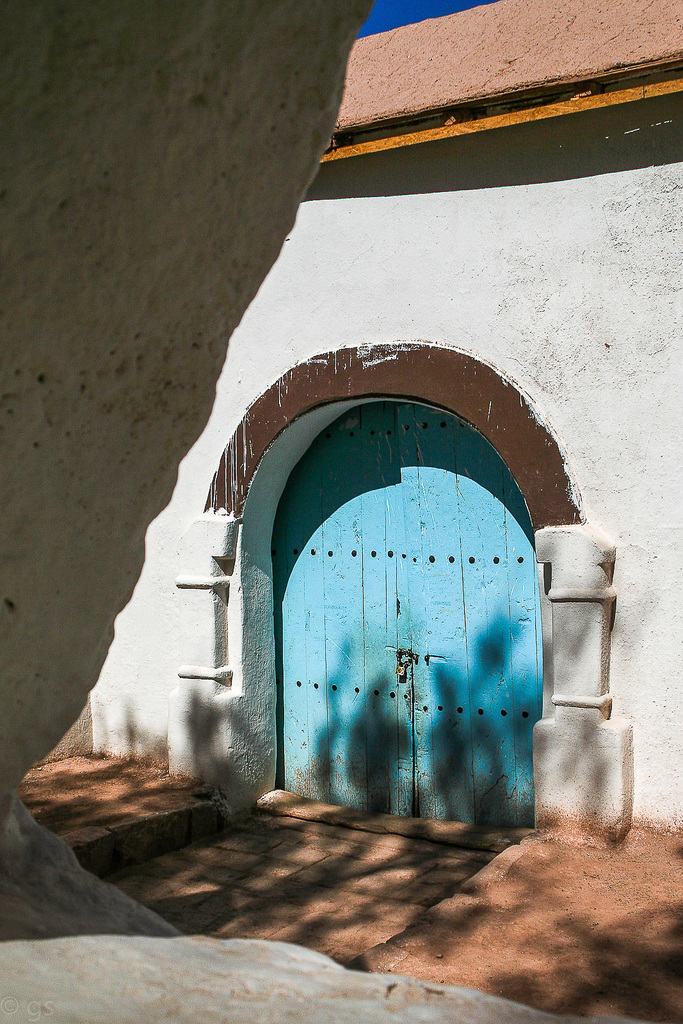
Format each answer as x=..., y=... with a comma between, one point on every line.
x=77, y=741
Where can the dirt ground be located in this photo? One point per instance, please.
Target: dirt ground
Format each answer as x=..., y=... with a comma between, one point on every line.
x=572, y=928
x=78, y=791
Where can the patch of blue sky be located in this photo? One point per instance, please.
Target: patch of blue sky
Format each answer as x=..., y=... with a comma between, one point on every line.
x=387, y=14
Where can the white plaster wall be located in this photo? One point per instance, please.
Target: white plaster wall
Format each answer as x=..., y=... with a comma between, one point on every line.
x=573, y=288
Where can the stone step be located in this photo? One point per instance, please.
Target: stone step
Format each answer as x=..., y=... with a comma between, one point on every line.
x=282, y=803
x=102, y=848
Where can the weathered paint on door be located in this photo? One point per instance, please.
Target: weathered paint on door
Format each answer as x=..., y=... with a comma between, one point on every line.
x=407, y=621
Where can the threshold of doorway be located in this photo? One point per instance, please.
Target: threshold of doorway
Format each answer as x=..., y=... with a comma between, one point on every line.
x=282, y=803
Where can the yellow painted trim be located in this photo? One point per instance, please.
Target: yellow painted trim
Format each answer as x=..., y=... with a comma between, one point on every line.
x=572, y=106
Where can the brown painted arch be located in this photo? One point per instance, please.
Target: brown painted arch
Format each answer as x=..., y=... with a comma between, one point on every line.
x=419, y=372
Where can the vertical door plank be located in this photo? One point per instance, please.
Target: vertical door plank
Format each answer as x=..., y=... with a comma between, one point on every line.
x=305, y=724
x=295, y=725
x=526, y=652
x=443, y=742
x=414, y=573
x=382, y=754
x=403, y=683
x=400, y=796
x=343, y=612
x=484, y=546
x=314, y=627
x=280, y=574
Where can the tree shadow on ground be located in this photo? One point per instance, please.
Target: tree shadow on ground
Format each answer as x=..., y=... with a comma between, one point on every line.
x=332, y=889
x=572, y=929
x=615, y=944
x=581, y=929
x=91, y=790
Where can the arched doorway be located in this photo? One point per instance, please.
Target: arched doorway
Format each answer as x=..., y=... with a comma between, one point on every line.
x=407, y=621
x=583, y=760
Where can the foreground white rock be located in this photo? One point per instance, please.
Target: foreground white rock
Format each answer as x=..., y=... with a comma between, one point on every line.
x=152, y=159
x=105, y=978
x=44, y=892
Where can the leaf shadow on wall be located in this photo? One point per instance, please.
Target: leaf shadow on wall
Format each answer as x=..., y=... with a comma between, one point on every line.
x=470, y=762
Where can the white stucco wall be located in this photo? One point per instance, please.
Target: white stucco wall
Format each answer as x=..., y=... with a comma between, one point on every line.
x=556, y=257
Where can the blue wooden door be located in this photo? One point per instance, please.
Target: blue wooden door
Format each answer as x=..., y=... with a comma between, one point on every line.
x=407, y=621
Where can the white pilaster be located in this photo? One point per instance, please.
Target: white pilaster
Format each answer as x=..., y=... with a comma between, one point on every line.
x=207, y=559
x=583, y=758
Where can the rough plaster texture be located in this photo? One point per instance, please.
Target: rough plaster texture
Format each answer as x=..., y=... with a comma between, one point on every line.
x=552, y=252
x=578, y=584
x=188, y=980
x=583, y=773
x=506, y=47
x=152, y=159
